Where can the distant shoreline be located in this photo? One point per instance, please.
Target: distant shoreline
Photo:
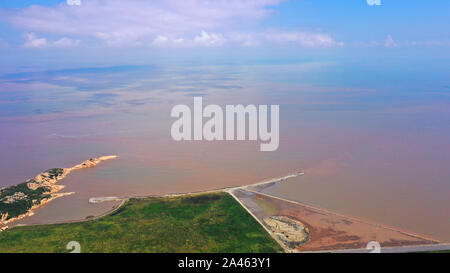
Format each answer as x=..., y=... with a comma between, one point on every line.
x=255, y=188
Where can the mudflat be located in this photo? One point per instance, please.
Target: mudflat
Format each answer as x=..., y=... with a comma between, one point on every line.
x=327, y=230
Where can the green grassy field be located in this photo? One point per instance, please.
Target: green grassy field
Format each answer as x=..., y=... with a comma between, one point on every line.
x=202, y=223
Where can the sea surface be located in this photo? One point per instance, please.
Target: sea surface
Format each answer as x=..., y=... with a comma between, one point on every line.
x=372, y=145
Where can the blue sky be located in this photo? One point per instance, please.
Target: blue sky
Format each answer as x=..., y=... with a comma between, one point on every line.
x=39, y=32
x=361, y=87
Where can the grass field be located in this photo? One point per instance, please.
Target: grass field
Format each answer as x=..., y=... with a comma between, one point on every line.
x=201, y=223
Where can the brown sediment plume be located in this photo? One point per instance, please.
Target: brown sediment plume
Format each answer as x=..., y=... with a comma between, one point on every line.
x=48, y=182
x=326, y=230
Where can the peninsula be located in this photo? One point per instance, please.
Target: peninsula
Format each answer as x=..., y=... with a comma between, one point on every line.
x=236, y=219
x=19, y=201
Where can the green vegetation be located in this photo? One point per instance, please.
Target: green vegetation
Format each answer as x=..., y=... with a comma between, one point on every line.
x=54, y=173
x=23, y=204
x=17, y=200
x=201, y=223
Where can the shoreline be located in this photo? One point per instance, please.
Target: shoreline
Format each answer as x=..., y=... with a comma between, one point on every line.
x=230, y=190
x=44, y=187
x=249, y=188
x=123, y=199
x=86, y=219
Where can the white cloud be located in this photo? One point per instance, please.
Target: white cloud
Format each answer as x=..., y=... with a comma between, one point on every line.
x=374, y=2
x=160, y=40
x=202, y=39
x=161, y=23
x=390, y=42
x=73, y=2
x=32, y=41
x=297, y=38
x=209, y=39
x=137, y=22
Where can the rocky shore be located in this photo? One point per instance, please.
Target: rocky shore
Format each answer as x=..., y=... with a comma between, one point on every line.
x=291, y=232
x=19, y=201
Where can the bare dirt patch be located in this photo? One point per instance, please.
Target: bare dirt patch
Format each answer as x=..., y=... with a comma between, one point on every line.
x=327, y=230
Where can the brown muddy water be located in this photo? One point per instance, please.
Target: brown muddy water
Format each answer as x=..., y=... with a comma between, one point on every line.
x=387, y=162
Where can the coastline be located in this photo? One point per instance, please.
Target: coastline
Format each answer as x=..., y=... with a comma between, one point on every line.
x=208, y=223
x=46, y=183
x=124, y=199
x=251, y=189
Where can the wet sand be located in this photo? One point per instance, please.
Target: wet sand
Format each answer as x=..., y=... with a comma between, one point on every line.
x=329, y=230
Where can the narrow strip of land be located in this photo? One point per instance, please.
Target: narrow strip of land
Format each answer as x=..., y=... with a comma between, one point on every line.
x=365, y=221
x=20, y=201
x=256, y=189
x=398, y=249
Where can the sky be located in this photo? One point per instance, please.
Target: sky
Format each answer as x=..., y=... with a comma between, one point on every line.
x=93, y=31
x=361, y=83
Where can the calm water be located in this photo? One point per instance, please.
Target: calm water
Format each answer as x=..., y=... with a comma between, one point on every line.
x=370, y=148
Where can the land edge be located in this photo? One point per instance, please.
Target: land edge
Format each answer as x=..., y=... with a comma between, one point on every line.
x=356, y=219
x=123, y=199
x=229, y=190
x=43, y=180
